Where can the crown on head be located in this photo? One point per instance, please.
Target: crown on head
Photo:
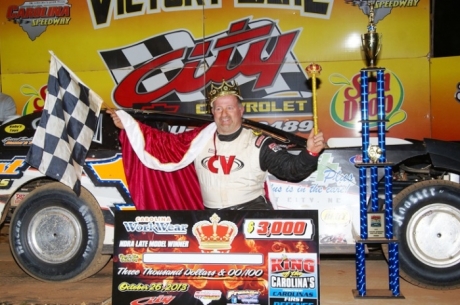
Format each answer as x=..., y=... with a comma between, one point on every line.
x=215, y=235
x=230, y=88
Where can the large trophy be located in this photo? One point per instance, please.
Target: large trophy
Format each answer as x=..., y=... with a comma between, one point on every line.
x=371, y=41
x=376, y=222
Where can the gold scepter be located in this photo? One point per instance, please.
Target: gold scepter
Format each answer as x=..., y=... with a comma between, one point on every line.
x=312, y=70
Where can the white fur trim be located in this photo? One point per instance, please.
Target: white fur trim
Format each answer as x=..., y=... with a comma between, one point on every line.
x=136, y=138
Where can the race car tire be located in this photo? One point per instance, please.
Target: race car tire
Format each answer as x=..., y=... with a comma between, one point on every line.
x=427, y=226
x=56, y=236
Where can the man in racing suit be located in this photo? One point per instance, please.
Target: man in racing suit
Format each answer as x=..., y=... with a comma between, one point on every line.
x=231, y=162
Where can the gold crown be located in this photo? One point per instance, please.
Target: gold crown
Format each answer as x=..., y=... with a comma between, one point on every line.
x=230, y=88
x=215, y=236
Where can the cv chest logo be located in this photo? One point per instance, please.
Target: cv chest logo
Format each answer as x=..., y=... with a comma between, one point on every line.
x=222, y=164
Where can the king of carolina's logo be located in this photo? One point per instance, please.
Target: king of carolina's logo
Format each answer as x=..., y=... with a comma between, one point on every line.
x=215, y=236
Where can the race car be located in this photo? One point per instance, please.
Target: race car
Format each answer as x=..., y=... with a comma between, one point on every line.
x=57, y=236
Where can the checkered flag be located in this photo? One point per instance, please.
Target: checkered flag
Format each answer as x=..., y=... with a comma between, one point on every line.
x=66, y=128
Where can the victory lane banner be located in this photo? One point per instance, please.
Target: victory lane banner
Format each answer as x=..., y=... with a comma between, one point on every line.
x=216, y=257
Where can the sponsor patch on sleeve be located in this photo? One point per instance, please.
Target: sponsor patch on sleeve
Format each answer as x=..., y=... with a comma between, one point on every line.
x=275, y=147
x=260, y=140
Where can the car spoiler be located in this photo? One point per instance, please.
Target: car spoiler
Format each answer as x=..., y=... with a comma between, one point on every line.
x=444, y=154
x=289, y=139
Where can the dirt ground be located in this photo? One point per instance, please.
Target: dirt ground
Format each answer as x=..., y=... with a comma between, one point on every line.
x=337, y=277
x=17, y=287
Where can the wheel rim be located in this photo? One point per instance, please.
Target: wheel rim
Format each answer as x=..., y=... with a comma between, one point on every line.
x=54, y=235
x=433, y=235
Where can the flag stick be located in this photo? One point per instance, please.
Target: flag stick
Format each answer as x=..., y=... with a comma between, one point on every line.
x=312, y=70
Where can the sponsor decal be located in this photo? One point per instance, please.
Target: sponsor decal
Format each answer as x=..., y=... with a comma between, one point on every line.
x=254, y=53
x=383, y=7
x=156, y=224
x=385, y=4
x=275, y=147
x=227, y=164
x=207, y=296
x=18, y=197
x=333, y=182
x=14, y=128
x=260, y=141
x=333, y=239
x=243, y=296
x=335, y=216
x=275, y=107
x=35, y=16
x=293, y=277
x=158, y=299
x=330, y=173
x=129, y=258
x=36, y=98
x=22, y=141
x=356, y=159
x=345, y=107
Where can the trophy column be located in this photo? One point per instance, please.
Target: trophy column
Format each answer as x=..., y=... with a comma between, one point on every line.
x=376, y=225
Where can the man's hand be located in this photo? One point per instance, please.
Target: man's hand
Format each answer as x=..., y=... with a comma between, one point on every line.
x=315, y=143
x=115, y=118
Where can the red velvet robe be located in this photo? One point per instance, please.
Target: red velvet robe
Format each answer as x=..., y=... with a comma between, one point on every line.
x=153, y=188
